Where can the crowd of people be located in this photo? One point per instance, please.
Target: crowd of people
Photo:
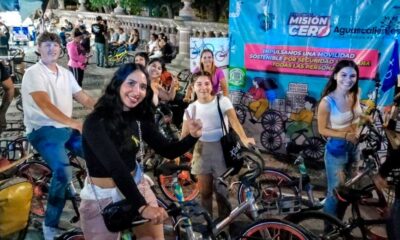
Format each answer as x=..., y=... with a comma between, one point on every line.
x=124, y=113
x=123, y=117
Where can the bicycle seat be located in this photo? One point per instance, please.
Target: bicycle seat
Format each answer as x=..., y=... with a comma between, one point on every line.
x=169, y=168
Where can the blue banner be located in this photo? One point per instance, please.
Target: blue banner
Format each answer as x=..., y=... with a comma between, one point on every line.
x=288, y=50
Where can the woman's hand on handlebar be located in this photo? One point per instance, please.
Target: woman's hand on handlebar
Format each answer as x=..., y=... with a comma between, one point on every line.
x=157, y=215
x=247, y=142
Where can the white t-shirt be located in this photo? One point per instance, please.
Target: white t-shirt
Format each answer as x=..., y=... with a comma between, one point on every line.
x=152, y=45
x=123, y=38
x=209, y=116
x=59, y=86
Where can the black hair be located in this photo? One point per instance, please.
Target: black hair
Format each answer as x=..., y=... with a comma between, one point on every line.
x=311, y=100
x=143, y=55
x=156, y=60
x=118, y=123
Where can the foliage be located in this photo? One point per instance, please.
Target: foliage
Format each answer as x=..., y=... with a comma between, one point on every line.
x=133, y=6
x=101, y=3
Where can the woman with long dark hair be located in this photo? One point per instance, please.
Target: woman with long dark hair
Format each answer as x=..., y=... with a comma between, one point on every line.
x=112, y=135
x=339, y=114
x=207, y=64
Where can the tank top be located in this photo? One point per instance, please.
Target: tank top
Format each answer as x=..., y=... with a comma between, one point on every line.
x=338, y=119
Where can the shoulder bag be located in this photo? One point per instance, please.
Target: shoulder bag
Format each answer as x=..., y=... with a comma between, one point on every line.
x=230, y=145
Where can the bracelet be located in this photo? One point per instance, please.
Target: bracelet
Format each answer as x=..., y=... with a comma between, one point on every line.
x=141, y=212
x=345, y=136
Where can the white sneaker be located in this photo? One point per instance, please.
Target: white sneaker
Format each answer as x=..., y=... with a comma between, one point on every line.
x=49, y=233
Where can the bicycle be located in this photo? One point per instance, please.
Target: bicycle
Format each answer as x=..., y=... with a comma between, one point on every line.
x=222, y=54
x=261, y=229
x=325, y=226
x=271, y=120
x=278, y=193
x=119, y=56
x=195, y=50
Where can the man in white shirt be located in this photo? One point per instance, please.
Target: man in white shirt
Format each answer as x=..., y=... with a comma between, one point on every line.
x=48, y=91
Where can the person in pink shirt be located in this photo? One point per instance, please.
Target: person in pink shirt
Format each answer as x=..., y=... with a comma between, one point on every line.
x=77, y=56
x=207, y=64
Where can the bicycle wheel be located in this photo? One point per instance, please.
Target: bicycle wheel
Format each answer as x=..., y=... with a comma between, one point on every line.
x=189, y=187
x=315, y=148
x=315, y=222
x=39, y=174
x=168, y=225
x=275, y=229
x=240, y=112
x=272, y=121
x=271, y=141
x=274, y=188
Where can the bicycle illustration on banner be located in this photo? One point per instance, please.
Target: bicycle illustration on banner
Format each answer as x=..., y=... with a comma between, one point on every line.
x=219, y=46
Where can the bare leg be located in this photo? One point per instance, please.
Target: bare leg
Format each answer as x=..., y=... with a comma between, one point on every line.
x=206, y=190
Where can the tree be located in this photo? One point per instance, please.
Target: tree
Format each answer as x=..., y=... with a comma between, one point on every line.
x=214, y=9
x=133, y=6
x=107, y=5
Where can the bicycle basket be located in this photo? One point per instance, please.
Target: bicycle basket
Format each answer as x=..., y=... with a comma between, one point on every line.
x=15, y=203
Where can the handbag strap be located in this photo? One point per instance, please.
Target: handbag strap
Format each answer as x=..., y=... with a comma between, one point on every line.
x=224, y=128
x=141, y=155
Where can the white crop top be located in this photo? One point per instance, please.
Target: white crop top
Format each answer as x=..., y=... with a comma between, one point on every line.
x=338, y=119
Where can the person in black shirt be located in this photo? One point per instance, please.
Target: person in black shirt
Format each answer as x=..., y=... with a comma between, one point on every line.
x=112, y=136
x=99, y=31
x=8, y=95
x=166, y=50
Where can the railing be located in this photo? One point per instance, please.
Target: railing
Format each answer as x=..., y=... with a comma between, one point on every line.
x=148, y=25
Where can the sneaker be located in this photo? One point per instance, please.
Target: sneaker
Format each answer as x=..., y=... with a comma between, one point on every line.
x=49, y=233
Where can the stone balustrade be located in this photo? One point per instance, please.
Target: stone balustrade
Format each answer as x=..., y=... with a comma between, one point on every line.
x=178, y=31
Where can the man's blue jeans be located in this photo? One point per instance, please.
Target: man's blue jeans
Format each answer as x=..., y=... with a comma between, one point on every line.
x=339, y=157
x=51, y=143
x=100, y=51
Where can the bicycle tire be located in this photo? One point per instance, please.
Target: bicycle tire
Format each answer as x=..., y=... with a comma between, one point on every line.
x=271, y=141
x=273, y=185
x=189, y=187
x=315, y=148
x=168, y=225
x=275, y=229
x=240, y=112
x=272, y=121
x=39, y=175
x=314, y=222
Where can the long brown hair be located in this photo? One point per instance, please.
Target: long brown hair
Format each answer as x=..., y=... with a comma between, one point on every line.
x=213, y=67
x=332, y=83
